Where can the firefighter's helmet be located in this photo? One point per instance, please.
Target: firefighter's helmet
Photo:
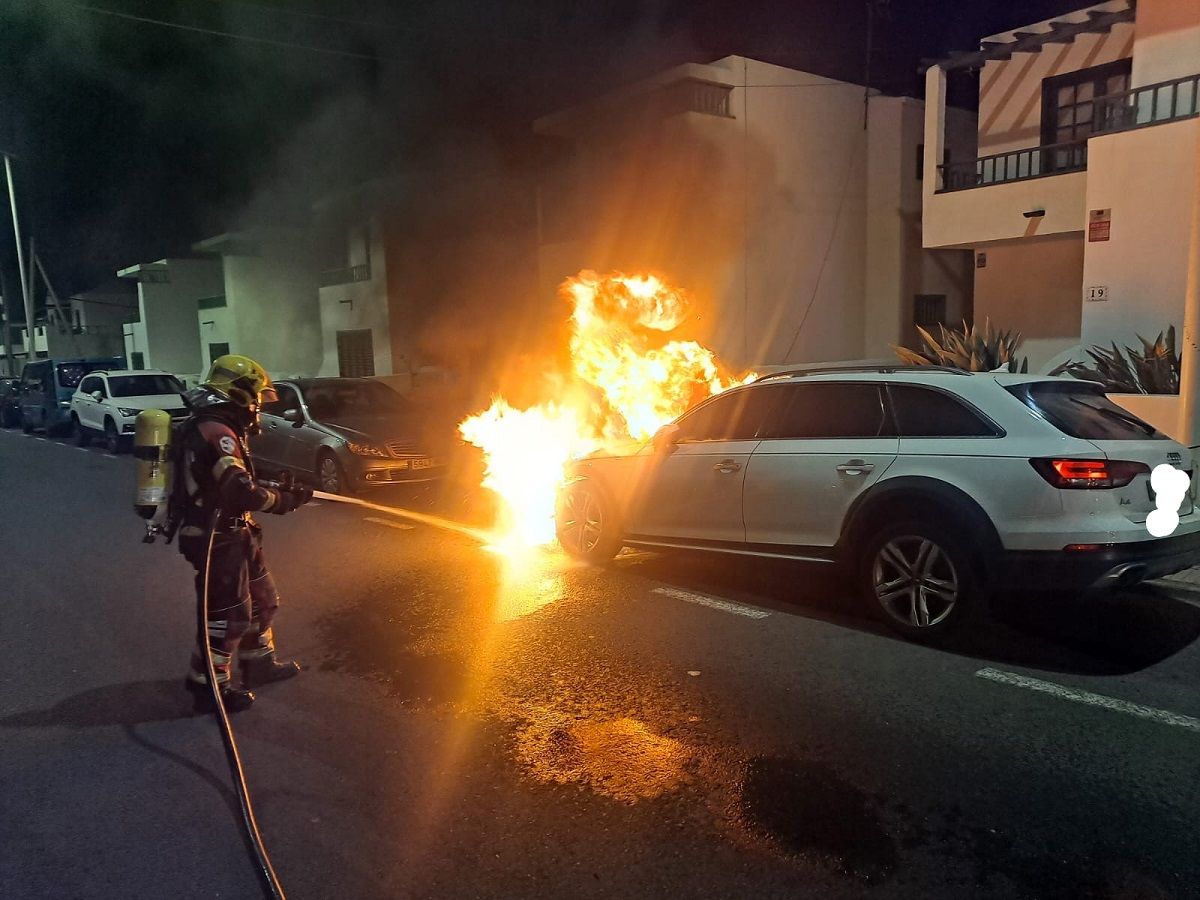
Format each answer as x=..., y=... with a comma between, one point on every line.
x=242, y=380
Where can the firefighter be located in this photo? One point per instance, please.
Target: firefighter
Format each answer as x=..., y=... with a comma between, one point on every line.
x=215, y=473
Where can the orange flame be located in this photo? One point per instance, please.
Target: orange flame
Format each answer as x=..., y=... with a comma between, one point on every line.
x=620, y=350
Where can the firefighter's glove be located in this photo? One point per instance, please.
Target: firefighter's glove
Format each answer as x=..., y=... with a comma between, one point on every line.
x=302, y=492
x=285, y=502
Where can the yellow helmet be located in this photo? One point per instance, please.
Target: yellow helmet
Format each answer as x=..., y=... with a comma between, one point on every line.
x=242, y=380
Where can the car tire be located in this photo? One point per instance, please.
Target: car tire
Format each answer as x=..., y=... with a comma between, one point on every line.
x=585, y=521
x=920, y=579
x=82, y=438
x=112, y=437
x=331, y=475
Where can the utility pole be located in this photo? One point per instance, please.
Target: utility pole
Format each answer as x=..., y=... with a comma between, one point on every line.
x=5, y=320
x=63, y=319
x=12, y=202
x=1189, y=376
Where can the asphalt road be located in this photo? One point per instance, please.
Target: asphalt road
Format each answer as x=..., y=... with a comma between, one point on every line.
x=472, y=727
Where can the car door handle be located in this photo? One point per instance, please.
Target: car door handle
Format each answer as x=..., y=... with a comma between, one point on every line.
x=855, y=467
x=727, y=467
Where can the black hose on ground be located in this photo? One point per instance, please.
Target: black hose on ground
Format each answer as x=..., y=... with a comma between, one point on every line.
x=270, y=881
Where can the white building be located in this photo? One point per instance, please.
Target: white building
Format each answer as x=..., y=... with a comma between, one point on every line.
x=267, y=306
x=1079, y=203
x=423, y=272
x=757, y=188
x=171, y=295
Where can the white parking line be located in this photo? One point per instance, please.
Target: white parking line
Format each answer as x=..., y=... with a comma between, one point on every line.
x=399, y=526
x=712, y=602
x=1066, y=693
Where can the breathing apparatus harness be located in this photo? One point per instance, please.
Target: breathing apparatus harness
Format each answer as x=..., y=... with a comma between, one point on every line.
x=159, y=499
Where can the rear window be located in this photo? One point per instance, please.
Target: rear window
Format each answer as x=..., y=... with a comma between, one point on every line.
x=1083, y=411
x=70, y=374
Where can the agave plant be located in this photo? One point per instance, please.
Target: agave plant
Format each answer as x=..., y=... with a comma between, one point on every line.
x=1153, y=370
x=971, y=348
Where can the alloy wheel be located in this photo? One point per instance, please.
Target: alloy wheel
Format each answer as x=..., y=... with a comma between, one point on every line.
x=581, y=526
x=330, y=477
x=915, y=581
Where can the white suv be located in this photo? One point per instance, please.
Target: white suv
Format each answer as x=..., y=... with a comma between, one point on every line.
x=107, y=403
x=932, y=486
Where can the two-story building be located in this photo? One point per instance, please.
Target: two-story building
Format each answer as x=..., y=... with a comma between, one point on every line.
x=1078, y=205
x=171, y=295
x=267, y=308
x=788, y=208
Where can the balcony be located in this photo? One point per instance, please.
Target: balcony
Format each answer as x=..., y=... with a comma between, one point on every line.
x=1152, y=104
x=345, y=275
x=1015, y=165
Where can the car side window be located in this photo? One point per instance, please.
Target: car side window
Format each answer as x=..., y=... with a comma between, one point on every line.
x=288, y=399
x=924, y=412
x=87, y=385
x=735, y=416
x=823, y=410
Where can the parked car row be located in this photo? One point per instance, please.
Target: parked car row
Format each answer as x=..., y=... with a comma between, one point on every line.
x=342, y=435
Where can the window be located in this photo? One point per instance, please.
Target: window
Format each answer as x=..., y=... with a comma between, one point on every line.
x=333, y=400
x=91, y=384
x=217, y=350
x=1068, y=109
x=831, y=410
x=929, y=310
x=1083, y=411
x=288, y=399
x=735, y=416
x=137, y=360
x=924, y=412
x=356, y=353
x=144, y=385
x=920, y=162
x=70, y=374
x=211, y=302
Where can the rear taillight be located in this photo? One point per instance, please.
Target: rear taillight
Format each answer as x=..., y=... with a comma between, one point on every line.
x=1075, y=474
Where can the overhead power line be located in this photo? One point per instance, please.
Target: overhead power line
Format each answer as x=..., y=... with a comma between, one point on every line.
x=232, y=35
x=271, y=8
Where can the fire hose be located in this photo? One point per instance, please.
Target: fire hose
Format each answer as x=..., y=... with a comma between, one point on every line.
x=266, y=871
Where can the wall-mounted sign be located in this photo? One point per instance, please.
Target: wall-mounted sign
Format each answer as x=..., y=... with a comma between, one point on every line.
x=1096, y=292
x=981, y=260
x=1099, y=223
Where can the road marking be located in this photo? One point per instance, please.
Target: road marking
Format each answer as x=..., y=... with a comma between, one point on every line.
x=712, y=602
x=37, y=438
x=399, y=526
x=1066, y=693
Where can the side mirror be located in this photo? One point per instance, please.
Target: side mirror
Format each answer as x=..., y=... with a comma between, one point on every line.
x=97, y=396
x=294, y=416
x=665, y=439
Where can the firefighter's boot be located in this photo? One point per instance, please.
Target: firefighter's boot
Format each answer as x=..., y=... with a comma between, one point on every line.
x=266, y=670
x=232, y=698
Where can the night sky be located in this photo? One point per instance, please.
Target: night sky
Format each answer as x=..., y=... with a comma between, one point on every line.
x=135, y=140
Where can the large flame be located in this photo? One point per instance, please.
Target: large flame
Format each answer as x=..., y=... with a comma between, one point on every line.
x=635, y=379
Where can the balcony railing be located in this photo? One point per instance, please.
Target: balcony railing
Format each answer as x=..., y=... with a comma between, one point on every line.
x=1151, y=104
x=346, y=275
x=1015, y=165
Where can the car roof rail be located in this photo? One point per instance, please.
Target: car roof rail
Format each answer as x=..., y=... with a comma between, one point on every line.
x=834, y=370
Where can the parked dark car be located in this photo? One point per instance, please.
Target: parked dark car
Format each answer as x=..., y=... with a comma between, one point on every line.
x=47, y=386
x=10, y=414
x=344, y=435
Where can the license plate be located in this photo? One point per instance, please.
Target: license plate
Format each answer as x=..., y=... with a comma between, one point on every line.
x=422, y=463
